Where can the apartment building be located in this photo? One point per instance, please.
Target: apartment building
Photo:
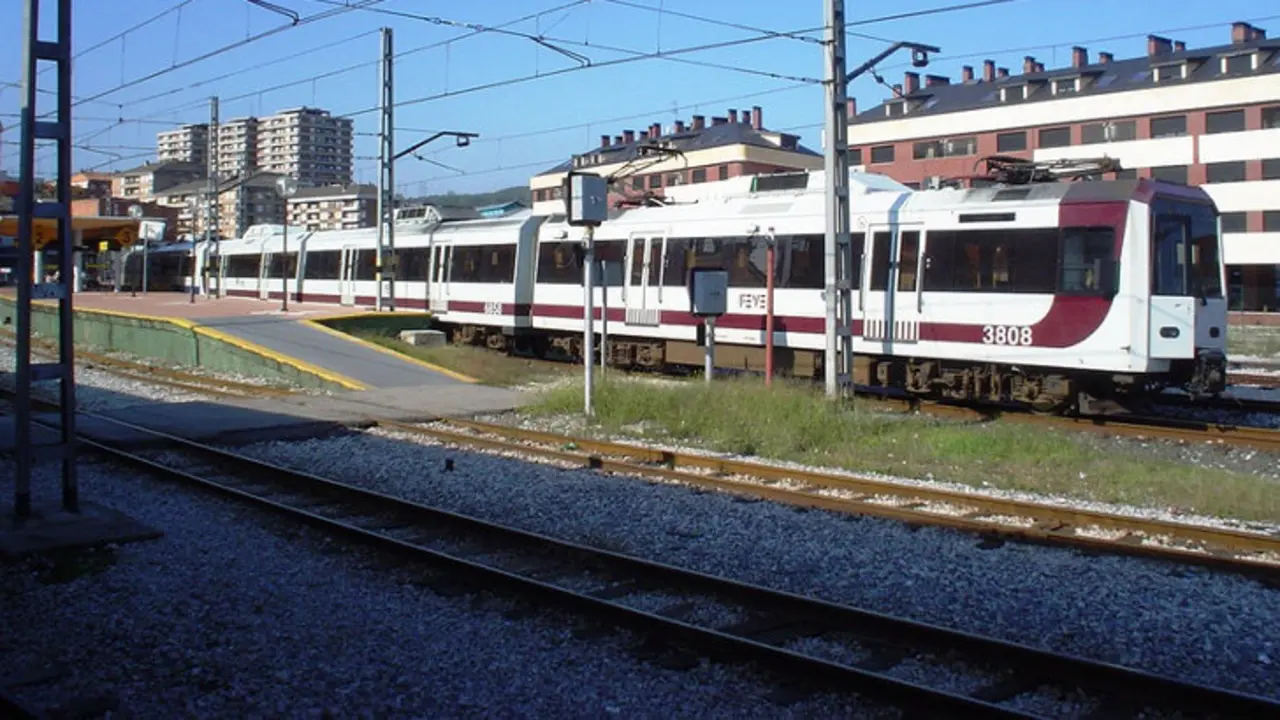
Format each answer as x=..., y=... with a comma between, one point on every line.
x=189, y=143
x=334, y=207
x=308, y=144
x=241, y=204
x=147, y=181
x=237, y=147
x=658, y=158
x=91, y=184
x=1203, y=116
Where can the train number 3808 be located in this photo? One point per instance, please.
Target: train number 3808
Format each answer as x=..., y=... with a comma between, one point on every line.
x=1006, y=335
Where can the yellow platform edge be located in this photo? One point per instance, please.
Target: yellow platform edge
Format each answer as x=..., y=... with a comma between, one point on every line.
x=318, y=325
x=250, y=347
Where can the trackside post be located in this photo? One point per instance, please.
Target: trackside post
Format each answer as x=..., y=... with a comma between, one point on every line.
x=587, y=205
x=709, y=298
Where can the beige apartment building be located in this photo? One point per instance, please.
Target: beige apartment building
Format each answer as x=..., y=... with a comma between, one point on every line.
x=189, y=143
x=334, y=208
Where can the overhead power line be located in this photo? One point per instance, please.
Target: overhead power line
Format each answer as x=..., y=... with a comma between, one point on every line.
x=317, y=17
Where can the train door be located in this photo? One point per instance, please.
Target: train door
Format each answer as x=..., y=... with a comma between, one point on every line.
x=1172, y=323
x=892, y=309
x=347, y=275
x=644, y=264
x=264, y=272
x=441, y=257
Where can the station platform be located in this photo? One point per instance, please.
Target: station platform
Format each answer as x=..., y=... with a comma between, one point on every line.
x=294, y=337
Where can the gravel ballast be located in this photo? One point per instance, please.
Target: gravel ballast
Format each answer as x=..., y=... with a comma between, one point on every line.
x=1171, y=619
x=235, y=613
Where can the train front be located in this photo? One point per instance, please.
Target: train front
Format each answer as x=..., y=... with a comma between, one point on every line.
x=1188, y=308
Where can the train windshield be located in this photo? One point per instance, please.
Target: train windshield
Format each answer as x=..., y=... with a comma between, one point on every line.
x=1184, y=249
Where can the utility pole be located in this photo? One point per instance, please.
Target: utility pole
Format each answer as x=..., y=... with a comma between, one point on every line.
x=840, y=265
x=837, y=252
x=211, y=197
x=59, y=211
x=386, y=174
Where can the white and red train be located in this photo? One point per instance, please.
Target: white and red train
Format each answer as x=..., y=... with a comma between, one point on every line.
x=1047, y=294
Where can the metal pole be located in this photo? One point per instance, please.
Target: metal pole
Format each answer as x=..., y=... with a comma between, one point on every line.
x=211, y=191
x=390, y=140
x=386, y=157
x=604, y=315
x=284, y=263
x=589, y=316
x=146, y=246
x=26, y=266
x=709, y=361
x=837, y=242
x=768, y=311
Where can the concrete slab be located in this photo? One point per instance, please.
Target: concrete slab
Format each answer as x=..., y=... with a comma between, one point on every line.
x=52, y=528
x=352, y=359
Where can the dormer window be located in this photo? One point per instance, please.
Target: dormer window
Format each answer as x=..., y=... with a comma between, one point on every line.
x=895, y=109
x=1166, y=73
x=1014, y=93
x=1241, y=63
x=1066, y=86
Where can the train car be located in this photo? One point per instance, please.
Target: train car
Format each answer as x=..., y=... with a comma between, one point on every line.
x=1051, y=294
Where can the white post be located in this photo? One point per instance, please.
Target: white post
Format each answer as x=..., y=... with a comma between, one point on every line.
x=589, y=314
x=709, y=362
x=604, y=315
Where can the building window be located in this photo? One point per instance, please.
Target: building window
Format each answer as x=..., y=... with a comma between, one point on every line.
x=957, y=147
x=882, y=154
x=1164, y=73
x=1065, y=87
x=1223, y=122
x=637, y=182
x=1055, y=137
x=855, y=156
x=1105, y=132
x=1271, y=169
x=1129, y=174
x=699, y=175
x=724, y=172
x=1171, y=126
x=1236, y=222
x=1011, y=142
x=1237, y=63
x=1170, y=173
x=1271, y=117
x=1225, y=172
x=655, y=181
x=1271, y=221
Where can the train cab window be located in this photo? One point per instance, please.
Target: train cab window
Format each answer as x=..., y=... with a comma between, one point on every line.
x=1184, y=249
x=1086, y=264
x=909, y=259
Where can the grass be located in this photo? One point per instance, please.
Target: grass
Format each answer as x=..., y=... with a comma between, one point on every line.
x=794, y=422
x=1253, y=340
x=487, y=366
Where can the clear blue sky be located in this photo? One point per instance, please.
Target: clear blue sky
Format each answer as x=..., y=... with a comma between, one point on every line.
x=529, y=126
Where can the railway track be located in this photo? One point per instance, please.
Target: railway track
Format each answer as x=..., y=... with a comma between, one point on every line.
x=814, y=643
x=1250, y=551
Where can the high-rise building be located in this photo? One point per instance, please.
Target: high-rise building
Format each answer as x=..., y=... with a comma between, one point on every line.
x=308, y=144
x=237, y=154
x=189, y=143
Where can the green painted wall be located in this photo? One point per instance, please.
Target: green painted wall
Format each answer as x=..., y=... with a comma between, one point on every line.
x=389, y=324
x=166, y=342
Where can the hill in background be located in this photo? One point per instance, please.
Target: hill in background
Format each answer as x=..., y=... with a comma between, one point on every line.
x=518, y=193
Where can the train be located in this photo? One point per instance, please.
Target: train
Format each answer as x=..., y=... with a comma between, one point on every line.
x=1056, y=296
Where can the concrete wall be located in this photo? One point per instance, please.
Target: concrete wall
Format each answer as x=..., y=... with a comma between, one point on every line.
x=172, y=341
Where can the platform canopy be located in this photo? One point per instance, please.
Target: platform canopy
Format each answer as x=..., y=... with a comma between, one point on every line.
x=119, y=232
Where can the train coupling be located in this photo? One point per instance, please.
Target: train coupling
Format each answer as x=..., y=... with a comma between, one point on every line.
x=1209, y=376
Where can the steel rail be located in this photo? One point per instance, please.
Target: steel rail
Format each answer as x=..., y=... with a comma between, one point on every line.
x=775, y=616
x=1220, y=548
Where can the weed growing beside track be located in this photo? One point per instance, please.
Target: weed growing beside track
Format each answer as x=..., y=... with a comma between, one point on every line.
x=487, y=366
x=795, y=423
